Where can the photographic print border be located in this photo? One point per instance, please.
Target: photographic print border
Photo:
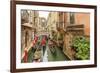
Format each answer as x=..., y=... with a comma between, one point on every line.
x=13, y=35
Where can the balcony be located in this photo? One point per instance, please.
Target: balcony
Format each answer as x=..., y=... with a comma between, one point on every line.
x=27, y=25
x=75, y=29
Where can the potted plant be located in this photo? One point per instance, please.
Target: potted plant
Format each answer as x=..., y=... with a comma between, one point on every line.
x=82, y=47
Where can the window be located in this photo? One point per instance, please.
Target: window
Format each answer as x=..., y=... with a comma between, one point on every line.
x=24, y=16
x=72, y=18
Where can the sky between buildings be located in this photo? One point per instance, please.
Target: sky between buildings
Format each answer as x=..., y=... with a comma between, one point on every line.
x=43, y=14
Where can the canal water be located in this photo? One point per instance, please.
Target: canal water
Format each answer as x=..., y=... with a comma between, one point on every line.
x=50, y=54
x=56, y=54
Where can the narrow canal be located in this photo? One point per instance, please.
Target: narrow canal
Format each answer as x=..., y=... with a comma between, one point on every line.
x=50, y=54
x=56, y=54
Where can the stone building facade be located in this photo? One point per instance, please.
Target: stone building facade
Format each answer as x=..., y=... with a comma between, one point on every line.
x=79, y=25
x=52, y=22
x=72, y=24
x=41, y=26
x=29, y=22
